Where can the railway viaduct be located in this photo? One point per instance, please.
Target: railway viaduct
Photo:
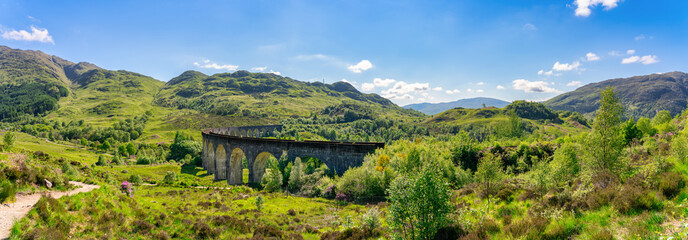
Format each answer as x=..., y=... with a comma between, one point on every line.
x=224, y=149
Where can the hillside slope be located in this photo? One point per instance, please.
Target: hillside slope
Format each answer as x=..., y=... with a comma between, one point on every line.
x=435, y=108
x=642, y=96
x=265, y=95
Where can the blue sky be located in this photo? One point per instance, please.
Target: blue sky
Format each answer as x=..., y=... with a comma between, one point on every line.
x=408, y=51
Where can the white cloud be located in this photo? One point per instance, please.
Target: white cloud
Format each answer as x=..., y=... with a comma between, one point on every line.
x=643, y=37
x=275, y=72
x=258, y=69
x=529, y=27
x=574, y=84
x=479, y=90
x=535, y=86
x=361, y=66
x=630, y=51
x=379, y=82
x=367, y=86
x=36, y=34
x=401, y=88
x=500, y=87
x=615, y=53
x=399, y=97
x=469, y=90
x=208, y=64
x=542, y=72
x=439, y=89
x=313, y=57
x=648, y=59
x=631, y=59
x=453, y=91
x=480, y=83
x=583, y=6
x=591, y=57
x=565, y=66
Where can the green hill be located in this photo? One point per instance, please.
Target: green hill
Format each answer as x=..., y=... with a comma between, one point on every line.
x=535, y=117
x=641, y=96
x=435, y=108
x=265, y=95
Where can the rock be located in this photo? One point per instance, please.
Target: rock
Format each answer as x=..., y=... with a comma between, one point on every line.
x=48, y=184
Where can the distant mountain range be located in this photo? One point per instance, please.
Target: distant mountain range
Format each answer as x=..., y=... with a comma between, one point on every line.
x=435, y=108
x=641, y=96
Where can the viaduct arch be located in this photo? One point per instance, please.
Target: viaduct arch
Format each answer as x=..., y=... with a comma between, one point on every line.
x=224, y=149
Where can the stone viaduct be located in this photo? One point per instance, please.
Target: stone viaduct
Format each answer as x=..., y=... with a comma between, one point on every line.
x=224, y=149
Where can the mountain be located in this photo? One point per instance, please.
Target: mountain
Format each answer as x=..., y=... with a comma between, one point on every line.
x=641, y=96
x=435, y=108
x=265, y=95
x=35, y=83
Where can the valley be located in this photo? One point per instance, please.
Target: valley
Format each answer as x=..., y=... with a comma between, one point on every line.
x=595, y=163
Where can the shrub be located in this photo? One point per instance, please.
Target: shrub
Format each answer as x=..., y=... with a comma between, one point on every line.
x=144, y=160
x=8, y=140
x=135, y=179
x=363, y=183
x=141, y=227
x=371, y=219
x=296, y=175
x=267, y=231
x=170, y=177
x=259, y=203
x=671, y=184
x=490, y=174
x=419, y=204
x=530, y=227
x=101, y=161
x=272, y=179
x=7, y=191
x=203, y=231
x=633, y=199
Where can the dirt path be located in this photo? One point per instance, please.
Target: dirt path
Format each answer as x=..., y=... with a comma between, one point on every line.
x=9, y=213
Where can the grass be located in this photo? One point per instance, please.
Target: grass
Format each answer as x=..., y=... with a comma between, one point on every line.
x=179, y=212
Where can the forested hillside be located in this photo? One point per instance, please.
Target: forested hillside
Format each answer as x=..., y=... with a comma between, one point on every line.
x=642, y=96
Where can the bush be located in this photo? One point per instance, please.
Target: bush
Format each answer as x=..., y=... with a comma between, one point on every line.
x=170, y=177
x=135, y=179
x=531, y=227
x=419, y=204
x=101, y=161
x=267, y=231
x=371, y=219
x=671, y=184
x=259, y=202
x=7, y=191
x=143, y=160
x=296, y=175
x=634, y=199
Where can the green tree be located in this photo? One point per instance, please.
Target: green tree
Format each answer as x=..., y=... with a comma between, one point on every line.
x=170, y=177
x=131, y=149
x=661, y=117
x=630, y=131
x=646, y=127
x=105, y=146
x=490, y=173
x=514, y=128
x=419, y=204
x=101, y=160
x=8, y=140
x=606, y=140
x=272, y=179
x=296, y=175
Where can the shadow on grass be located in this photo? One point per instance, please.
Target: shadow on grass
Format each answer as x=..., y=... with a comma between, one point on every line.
x=193, y=170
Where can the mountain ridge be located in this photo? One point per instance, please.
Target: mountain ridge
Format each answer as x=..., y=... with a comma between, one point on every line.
x=641, y=96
